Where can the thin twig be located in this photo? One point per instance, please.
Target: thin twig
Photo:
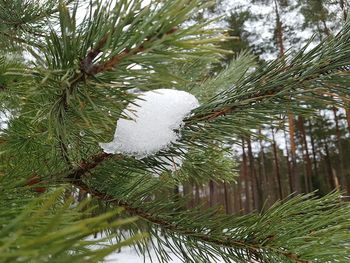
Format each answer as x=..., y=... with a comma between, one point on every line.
x=88, y=68
x=86, y=64
x=87, y=166
x=116, y=59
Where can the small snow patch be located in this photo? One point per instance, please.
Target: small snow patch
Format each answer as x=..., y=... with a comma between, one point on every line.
x=155, y=119
x=4, y=119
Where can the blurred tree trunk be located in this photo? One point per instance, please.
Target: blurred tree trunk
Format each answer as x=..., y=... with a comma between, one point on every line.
x=277, y=168
x=237, y=195
x=290, y=179
x=211, y=193
x=256, y=189
x=348, y=117
x=343, y=6
x=196, y=195
x=246, y=179
x=227, y=198
x=188, y=193
x=262, y=170
x=313, y=149
x=332, y=178
x=306, y=157
x=343, y=179
x=294, y=176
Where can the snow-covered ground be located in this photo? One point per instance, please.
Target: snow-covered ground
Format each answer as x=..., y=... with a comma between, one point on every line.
x=129, y=255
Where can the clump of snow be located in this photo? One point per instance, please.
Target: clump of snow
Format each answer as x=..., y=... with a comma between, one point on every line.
x=155, y=119
x=4, y=118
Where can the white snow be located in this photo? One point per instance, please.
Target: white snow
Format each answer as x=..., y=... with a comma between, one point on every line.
x=130, y=255
x=4, y=118
x=155, y=118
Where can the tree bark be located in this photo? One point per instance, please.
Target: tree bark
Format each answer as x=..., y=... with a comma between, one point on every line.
x=277, y=168
x=227, y=198
x=347, y=110
x=313, y=148
x=295, y=177
x=343, y=6
x=211, y=193
x=306, y=156
x=196, y=195
x=246, y=179
x=290, y=178
x=331, y=176
x=343, y=179
x=256, y=185
x=262, y=170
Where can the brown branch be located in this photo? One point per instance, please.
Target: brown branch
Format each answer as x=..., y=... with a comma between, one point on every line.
x=230, y=109
x=76, y=179
x=112, y=62
x=86, y=65
x=260, y=96
x=86, y=166
x=171, y=226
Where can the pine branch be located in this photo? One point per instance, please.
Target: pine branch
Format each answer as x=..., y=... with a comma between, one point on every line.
x=91, y=69
x=59, y=230
x=280, y=81
x=88, y=69
x=84, y=167
x=177, y=228
x=112, y=62
x=311, y=73
x=86, y=65
x=44, y=14
x=17, y=39
x=77, y=176
x=26, y=23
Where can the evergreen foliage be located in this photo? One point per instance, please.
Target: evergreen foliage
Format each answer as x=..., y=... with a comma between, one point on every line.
x=67, y=97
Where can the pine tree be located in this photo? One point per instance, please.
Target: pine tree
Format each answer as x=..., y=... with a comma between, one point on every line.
x=66, y=79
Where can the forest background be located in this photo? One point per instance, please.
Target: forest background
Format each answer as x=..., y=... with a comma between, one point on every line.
x=314, y=150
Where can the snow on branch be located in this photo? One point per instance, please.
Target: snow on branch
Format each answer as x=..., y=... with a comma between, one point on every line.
x=155, y=119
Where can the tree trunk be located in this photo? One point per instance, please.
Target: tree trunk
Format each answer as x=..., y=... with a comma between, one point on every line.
x=211, y=193
x=227, y=198
x=343, y=179
x=256, y=189
x=348, y=118
x=295, y=178
x=290, y=178
x=279, y=31
x=196, y=195
x=343, y=7
x=314, y=158
x=306, y=157
x=262, y=170
x=331, y=176
x=246, y=179
x=277, y=168
x=237, y=192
